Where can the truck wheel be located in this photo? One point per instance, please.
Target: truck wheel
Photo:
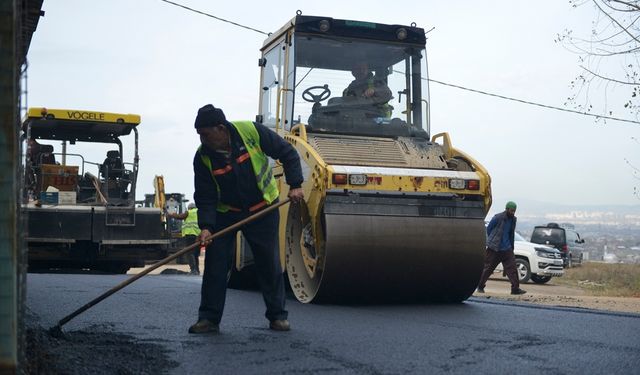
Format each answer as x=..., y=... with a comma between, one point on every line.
x=122, y=270
x=245, y=279
x=116, y=268
x=524, y=270
x=183, y=259
x=540, y=279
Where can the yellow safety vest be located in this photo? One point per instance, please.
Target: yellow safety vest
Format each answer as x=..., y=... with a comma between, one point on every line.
x=259, y=161
x=190, y=224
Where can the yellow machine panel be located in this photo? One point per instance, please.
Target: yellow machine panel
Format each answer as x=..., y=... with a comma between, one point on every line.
x=82, y=115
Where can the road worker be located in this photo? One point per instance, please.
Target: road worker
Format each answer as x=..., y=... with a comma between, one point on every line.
x=500, y=244
x=233, y=180
x=191, y=234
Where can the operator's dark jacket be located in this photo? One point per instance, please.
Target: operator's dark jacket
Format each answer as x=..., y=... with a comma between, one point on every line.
x=238, y=187
x=382, y=93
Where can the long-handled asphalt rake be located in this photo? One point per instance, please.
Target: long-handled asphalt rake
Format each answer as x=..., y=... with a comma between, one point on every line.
x=56, y=330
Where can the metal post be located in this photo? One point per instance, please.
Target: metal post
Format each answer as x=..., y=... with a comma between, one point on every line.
x=9, y=249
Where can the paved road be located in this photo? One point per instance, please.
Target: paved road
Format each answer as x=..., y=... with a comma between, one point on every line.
x=475, y=336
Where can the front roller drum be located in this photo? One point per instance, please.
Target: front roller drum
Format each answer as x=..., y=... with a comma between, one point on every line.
x=384, y=258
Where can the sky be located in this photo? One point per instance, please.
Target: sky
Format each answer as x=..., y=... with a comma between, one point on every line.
x=163, y=62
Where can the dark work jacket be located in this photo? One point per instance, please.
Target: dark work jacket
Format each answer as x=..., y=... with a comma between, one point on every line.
x=495, y=232
x=238, y=187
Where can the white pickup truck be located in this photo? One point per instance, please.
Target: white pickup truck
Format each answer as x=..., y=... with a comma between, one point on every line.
x=535, y=262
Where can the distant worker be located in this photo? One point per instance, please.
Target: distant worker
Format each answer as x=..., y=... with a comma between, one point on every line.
x=40, y=154
x=32, y=166
x=233, y=180
x=500, y=243
x=372, y=89
x=112, y=167
x=191, y=234
x=33, y=150
x=46, y=155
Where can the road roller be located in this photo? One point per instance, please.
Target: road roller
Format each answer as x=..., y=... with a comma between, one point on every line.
x=391, y=212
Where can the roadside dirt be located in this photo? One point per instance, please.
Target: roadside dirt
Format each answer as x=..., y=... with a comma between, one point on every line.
x=558, y=295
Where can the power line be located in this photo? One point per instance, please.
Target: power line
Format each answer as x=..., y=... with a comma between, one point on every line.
x=430, y=79
x=212, y=16
x=532, y=103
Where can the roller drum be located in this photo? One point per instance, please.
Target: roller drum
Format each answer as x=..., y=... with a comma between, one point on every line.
x=385, y=251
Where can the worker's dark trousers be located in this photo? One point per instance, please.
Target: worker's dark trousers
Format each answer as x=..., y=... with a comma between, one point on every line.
x=262, y=236
x=491, y=261
x=193, y=258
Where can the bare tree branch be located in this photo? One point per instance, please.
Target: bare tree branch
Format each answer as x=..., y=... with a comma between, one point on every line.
x=631, y=165
x=630, y=5
x=606, y=53
x=612, y=35
x=615, y=21
x=609, y=58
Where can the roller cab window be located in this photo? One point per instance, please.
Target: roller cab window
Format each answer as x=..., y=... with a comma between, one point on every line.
x=361, y=87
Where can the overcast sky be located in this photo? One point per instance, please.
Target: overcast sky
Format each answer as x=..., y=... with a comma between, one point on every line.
x=163, y=62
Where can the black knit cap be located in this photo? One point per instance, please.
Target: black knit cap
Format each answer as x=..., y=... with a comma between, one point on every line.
x=209, y=116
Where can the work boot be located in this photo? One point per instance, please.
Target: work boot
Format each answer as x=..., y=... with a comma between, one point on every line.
x=204, y=326
x=480, y=290
x=280, y=325
x=518, y=291
x=192, y=265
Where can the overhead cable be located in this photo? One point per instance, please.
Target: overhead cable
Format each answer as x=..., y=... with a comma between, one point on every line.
x=430, y=79
x=532, y=103
x=212, y=16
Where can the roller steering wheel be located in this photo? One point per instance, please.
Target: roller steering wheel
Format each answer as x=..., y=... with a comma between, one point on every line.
x=313, y=98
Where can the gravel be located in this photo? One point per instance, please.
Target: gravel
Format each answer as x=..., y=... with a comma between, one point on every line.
x=96, y=351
